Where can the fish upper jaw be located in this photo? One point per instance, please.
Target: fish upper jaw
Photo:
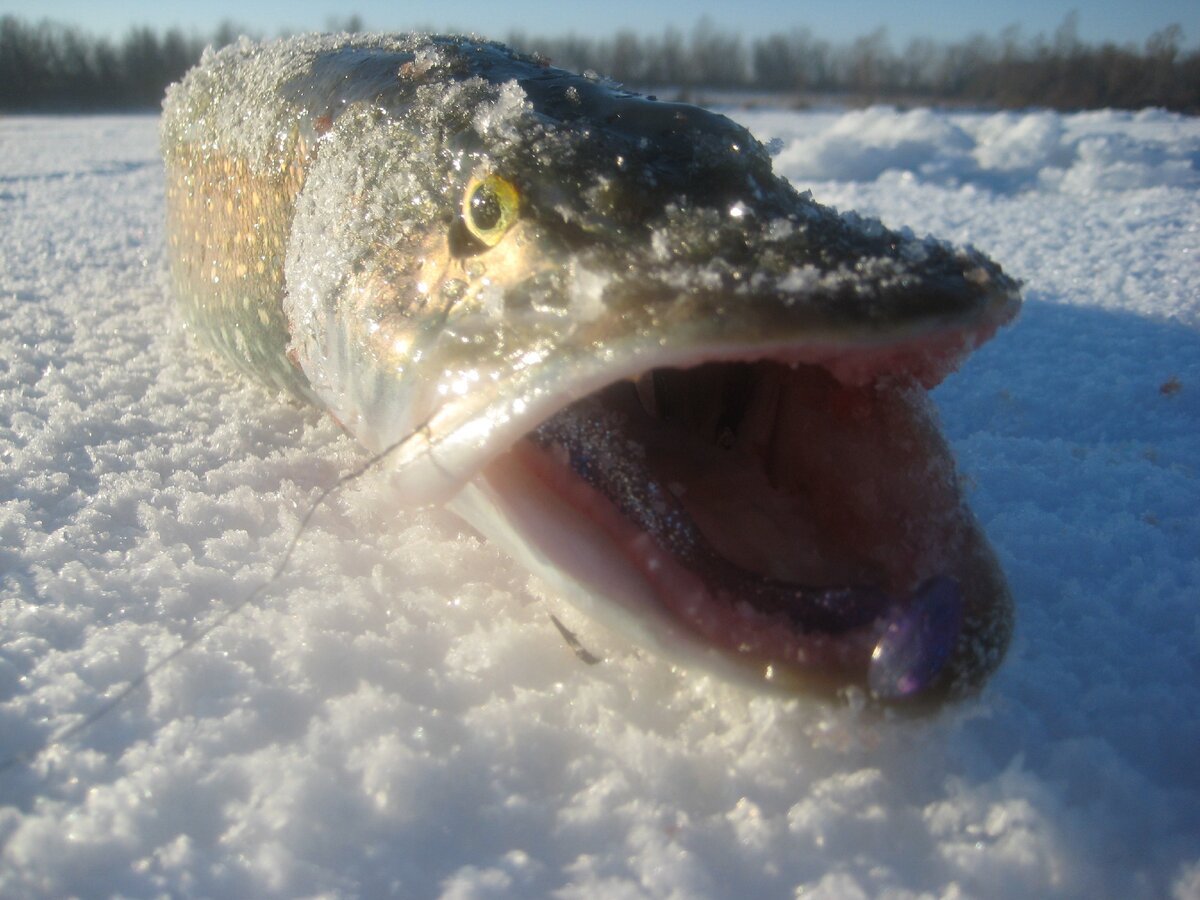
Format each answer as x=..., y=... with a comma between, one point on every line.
x=445, y=429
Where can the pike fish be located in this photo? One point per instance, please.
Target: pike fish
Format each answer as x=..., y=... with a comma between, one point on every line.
x=601, y=329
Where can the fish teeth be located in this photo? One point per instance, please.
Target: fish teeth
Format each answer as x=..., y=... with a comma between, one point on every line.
x=647, y=393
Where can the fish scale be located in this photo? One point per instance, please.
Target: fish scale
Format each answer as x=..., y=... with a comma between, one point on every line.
x=228, y=226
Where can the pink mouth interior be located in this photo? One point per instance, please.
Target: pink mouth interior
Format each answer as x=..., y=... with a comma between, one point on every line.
x=788, y=518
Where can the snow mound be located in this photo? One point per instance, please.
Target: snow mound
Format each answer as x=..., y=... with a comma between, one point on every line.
x=1007, y=151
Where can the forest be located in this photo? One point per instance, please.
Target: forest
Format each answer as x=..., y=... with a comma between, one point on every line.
x=50, y=66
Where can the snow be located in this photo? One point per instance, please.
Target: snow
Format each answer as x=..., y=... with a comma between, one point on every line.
x=398, y=715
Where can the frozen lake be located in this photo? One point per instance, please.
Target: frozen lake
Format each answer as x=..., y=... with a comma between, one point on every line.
x=398, y=716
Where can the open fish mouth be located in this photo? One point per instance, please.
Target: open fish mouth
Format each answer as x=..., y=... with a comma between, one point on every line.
x=603, y=330
x=764, y=518
x=771, y=510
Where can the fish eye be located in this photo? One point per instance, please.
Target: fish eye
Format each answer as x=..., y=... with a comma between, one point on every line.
x=489, y=208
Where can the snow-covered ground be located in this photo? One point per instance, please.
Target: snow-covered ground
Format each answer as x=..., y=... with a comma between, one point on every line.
x=398, y=715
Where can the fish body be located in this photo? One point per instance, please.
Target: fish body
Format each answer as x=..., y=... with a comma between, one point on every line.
x=600, y=328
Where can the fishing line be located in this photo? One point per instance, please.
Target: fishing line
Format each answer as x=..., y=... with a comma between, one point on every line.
x=117, y=699
x=29, y=756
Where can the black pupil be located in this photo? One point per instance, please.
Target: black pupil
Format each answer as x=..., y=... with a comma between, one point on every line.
x=485, y=208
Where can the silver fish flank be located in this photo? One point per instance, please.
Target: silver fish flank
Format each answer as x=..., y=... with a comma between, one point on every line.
x=689, y=397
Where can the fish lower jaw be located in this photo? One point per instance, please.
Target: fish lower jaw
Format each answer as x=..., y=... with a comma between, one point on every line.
x=582, y=566
x=713, y=614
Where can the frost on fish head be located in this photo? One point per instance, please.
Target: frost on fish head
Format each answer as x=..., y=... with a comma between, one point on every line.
x=486, y=239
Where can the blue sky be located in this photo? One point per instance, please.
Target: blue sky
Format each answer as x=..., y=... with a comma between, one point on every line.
x=1117, y=20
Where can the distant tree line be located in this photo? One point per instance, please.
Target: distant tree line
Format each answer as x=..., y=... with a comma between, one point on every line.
x=47, y=66
x=50, y=66
x=1059, y=72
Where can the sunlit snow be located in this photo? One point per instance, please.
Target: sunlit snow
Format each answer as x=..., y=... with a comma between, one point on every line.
x=399, y=716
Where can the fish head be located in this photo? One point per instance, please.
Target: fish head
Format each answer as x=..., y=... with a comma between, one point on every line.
x=560, y=302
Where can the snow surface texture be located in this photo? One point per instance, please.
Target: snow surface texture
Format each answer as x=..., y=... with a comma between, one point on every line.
x=399, y=716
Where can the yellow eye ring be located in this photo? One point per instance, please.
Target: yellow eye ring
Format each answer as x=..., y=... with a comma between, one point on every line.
x=489, y=208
